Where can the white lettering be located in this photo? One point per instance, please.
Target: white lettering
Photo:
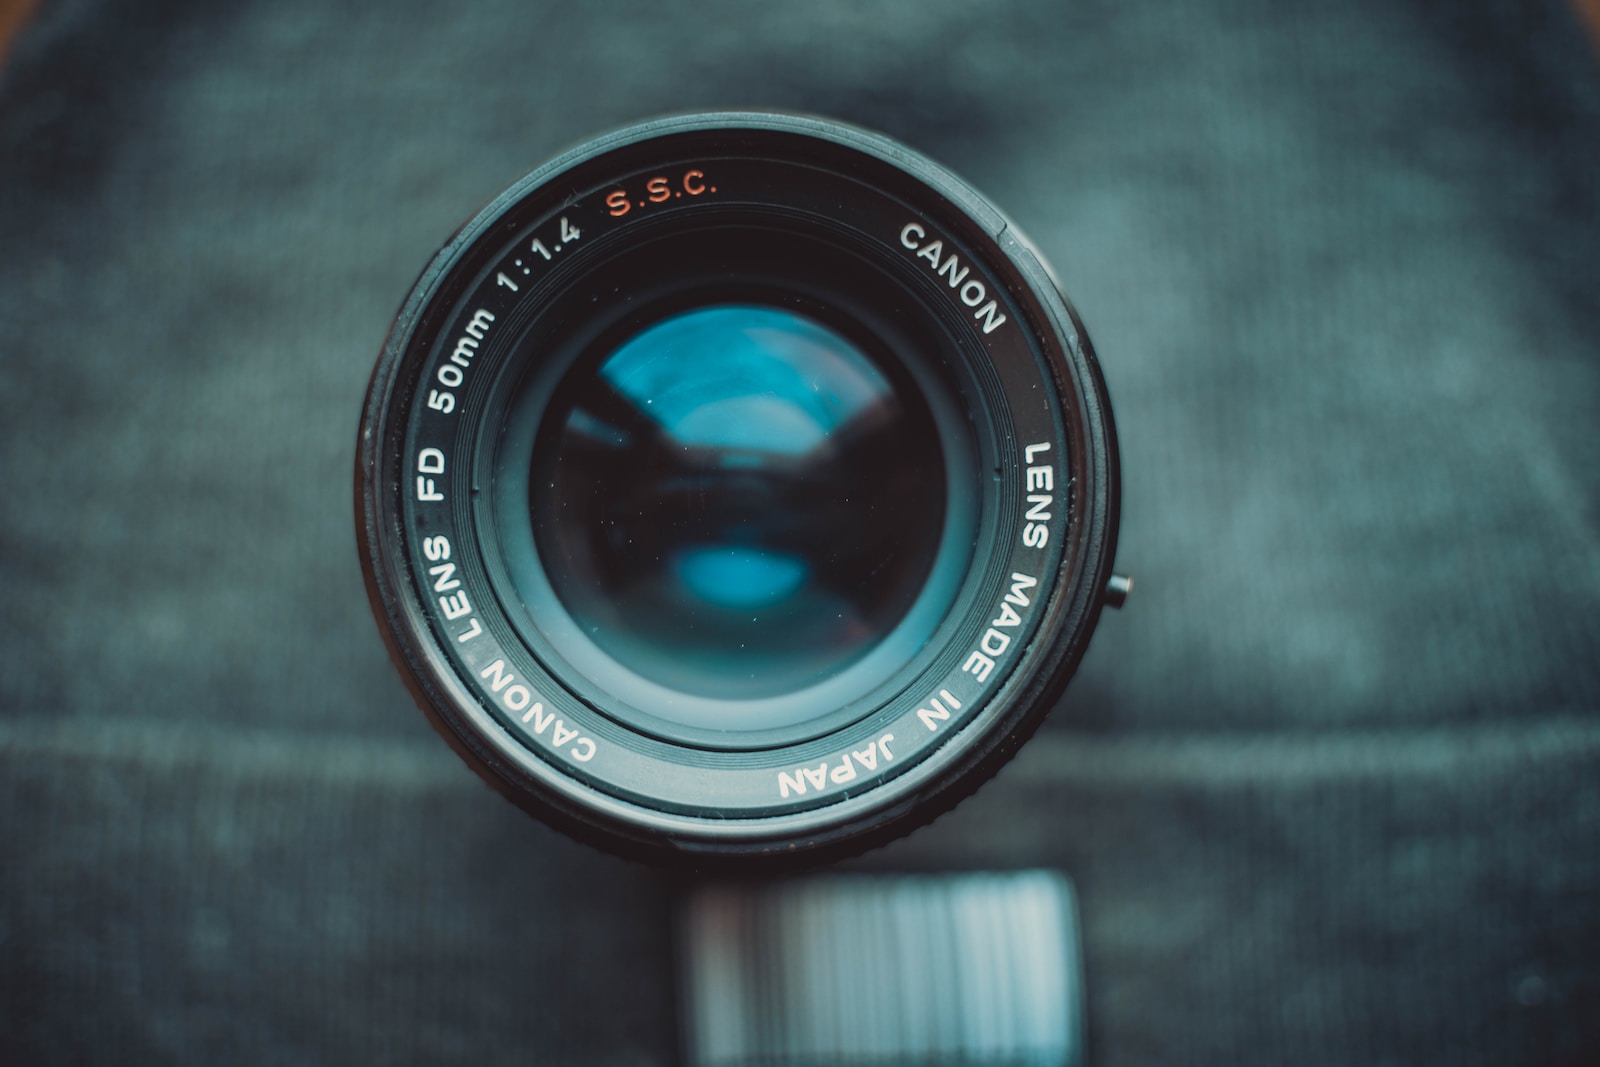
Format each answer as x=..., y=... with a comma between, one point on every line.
x=467, y=346
x=1041, y=479
x=1037, y=512
x=429, y=461
x=836, y=769
x=467, y=635
x=994, y=642
x=1027, y=453
x=455, y=606
x=443, y=577
x=436, y=548
x=949, y=270
x=1019, y=582
x=990, y=313
x=502, y=677
x=971, y=291
x=934, y=714
x=516, y=696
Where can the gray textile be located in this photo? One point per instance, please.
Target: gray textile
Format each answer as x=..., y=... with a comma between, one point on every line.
x=1329, y=787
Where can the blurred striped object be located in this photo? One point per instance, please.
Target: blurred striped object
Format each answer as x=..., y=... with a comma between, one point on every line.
x=978, y=968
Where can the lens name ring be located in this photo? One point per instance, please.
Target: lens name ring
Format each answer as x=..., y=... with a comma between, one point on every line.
x=737, y=487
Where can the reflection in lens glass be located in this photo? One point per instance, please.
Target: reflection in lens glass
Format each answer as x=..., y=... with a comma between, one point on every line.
x=738, y=502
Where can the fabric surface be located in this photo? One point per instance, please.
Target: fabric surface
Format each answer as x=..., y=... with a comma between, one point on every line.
x=1329, y=786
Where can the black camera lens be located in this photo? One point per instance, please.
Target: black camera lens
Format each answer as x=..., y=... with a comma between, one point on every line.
x=737, y=486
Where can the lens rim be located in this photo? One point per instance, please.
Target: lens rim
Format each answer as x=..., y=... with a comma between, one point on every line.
x=832, y=821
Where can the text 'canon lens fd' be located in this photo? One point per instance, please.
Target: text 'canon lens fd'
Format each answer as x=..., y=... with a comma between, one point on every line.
x=737, y=486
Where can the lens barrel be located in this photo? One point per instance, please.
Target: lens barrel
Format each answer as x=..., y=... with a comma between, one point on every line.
x=737, y=487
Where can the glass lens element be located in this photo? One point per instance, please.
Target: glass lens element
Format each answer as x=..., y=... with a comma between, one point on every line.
x=738, y=502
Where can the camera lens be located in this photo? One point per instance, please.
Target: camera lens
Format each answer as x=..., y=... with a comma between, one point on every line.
x=736, y=486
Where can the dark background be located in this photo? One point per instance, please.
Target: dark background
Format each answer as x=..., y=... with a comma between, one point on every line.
x=1329, y=787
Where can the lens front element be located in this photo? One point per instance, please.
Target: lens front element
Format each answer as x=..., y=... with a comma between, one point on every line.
x=737, y=503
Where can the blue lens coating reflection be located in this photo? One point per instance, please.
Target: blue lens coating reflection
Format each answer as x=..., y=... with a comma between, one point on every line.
x=735, y=576
x=745, y=379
